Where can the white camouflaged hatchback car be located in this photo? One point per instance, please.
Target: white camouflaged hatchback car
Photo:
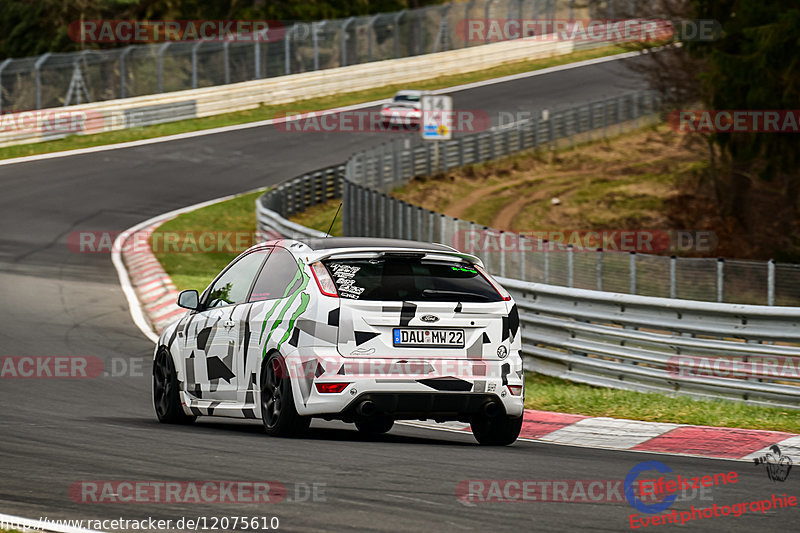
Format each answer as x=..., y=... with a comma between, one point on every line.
x=361, y=330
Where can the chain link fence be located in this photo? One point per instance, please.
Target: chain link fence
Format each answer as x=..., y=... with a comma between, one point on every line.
x=60, y=79
x=370, y=211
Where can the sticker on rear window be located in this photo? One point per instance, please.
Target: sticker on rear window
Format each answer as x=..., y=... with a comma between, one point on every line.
x=344, y=277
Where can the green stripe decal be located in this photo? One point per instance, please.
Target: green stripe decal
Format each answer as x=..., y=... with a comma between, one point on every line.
x=275, y=306
x=304, y=299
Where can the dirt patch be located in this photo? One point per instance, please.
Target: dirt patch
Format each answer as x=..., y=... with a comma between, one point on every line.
x=635, y=181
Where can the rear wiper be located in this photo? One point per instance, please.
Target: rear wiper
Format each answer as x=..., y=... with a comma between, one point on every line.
x=465, y=294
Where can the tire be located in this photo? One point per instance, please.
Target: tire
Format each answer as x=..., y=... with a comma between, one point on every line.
x=277, y=401
x=497, y=431
x=166, y=397
x=374, y=425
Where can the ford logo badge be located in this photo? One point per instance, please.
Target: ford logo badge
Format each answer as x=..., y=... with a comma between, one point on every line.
x=429, y=318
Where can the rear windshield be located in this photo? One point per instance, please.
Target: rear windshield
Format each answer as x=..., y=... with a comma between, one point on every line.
x=398, y=279
x=406, y=98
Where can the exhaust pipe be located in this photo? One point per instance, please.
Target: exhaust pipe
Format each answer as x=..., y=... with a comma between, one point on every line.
x=491, y=409
x=366, y=408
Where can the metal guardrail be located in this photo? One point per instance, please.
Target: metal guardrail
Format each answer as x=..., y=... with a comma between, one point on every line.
x=36, y=126
x=746, y=353
x=648, y=344
x=275, y=206
x=369, y=210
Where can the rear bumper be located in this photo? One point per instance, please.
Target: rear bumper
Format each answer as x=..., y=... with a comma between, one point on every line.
x=438, y=391
x=436, y=406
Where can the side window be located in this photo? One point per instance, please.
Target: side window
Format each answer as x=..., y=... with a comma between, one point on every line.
x=278, y=278
x=233, y=285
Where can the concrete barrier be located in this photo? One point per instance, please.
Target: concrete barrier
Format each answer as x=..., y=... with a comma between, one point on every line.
x=111, y=115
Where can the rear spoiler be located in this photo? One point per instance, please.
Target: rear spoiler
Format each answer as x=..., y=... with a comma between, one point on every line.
x=440, y=255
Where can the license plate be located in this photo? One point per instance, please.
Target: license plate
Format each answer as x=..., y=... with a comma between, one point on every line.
x=429, y=338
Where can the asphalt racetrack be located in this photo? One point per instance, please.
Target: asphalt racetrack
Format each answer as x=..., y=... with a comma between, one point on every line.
x=55, y=433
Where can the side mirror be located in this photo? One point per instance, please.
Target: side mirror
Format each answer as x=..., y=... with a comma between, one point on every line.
x=189, y=300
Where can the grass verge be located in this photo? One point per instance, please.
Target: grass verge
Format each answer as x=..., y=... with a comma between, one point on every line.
x=320, y=216
x=546, y=393
x=315, y=104
x=190, y=269
x=628, y=181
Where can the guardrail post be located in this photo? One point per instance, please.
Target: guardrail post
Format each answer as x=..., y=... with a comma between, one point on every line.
x=396, y=32
x=123, y=73
x=344, y=40
x=226, y=60
x=37, y=74
x=771, y=282
x=345, y=218
x=428, y=162
x=431, y=219
x=486, y=15
x=720, y=279
x=160, y=64
x=419, y=223
x=546, y=253
x=574, y=127
x=633, y=272
x=370, y=35
x=409, y=233
x=315, y=27
x=521, y=246
x=400, y=219
x=471, y=248
x=570, y=265
x=3, y=65
x=673, y=287
x=599, y=269
x=257, y=55
x=605, y=108
x=194, y=63
x=442, y=218
x=502, y=254
x=287, y=50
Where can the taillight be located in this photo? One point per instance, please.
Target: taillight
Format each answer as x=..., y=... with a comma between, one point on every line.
x=500, y=290
x=331, y=388
x=324, y=280
x=515, y=390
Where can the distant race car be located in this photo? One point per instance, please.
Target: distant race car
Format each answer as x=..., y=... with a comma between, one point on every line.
x=361, y=330
x=405, y=109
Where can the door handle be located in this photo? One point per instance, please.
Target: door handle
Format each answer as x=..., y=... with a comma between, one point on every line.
x=228, y=324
